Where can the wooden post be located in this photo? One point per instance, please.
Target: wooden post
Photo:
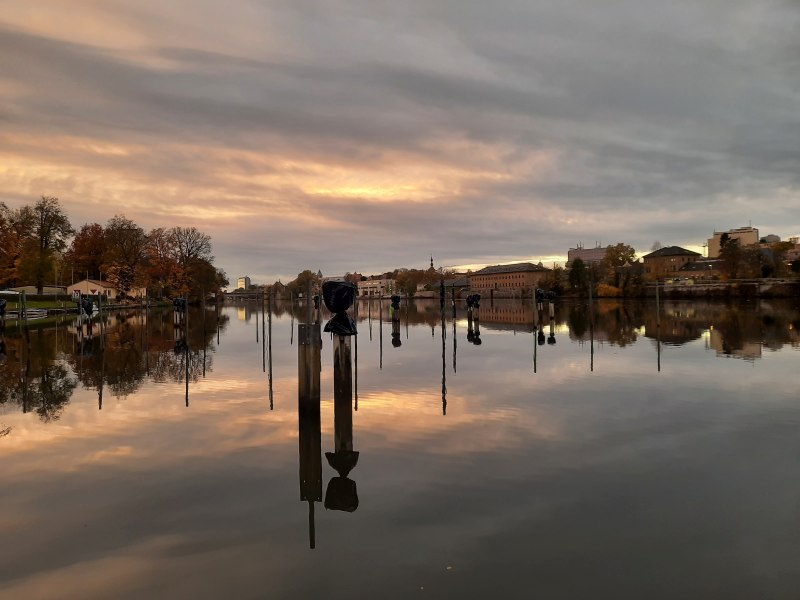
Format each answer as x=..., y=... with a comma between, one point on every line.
x=308, y=407
x=444, y=368
x=186, y=345
x=658, y=307
x=263, y=336
x=269, y=346
x=309, y=306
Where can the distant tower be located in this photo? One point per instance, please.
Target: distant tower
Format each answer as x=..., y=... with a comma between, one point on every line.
x=431, y=261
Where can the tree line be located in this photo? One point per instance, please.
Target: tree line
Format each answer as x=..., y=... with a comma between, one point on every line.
x=39, y=245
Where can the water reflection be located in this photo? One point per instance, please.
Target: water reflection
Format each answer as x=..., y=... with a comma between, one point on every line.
x=610, y=466
x=116, y=352
x=341, y=493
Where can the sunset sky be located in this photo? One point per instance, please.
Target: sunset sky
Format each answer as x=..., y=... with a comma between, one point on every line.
x=368, y=135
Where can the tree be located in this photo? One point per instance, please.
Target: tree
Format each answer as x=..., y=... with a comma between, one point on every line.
x=126, y=243
x=731, y=255
x=615, y=256
x=579, y=276
x=300, y=283
x=48, y=234
x=189, y=244
x=407, y=280
x=159, y=261
x=554, y=281
x=11, y=242
x=85, y=254
x=656, y=246
x=189, y=249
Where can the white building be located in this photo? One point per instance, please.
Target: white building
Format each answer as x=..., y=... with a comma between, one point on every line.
x=376, y=287
x=243, y=283
x=93, y=287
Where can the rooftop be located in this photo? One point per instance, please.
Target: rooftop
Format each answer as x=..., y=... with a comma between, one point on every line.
x=513, y=268
x=671, y=251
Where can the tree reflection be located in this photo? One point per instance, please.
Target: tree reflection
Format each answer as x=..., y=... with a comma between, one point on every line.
x=40, y=370
x=31, y=378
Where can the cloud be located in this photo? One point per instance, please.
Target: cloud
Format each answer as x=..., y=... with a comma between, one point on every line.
x=355, y=135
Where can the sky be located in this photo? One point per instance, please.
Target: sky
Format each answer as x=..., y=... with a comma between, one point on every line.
x=348, y=136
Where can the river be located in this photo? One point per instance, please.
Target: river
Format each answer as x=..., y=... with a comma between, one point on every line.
x=610, y=452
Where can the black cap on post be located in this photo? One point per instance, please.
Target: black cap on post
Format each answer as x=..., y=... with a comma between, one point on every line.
x=338, y=297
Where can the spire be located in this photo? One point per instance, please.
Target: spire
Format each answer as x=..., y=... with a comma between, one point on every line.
x=431, y=261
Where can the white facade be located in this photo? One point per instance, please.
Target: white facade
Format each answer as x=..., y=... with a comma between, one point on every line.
x=243, y=283
x=93, y=287
x=376, y=287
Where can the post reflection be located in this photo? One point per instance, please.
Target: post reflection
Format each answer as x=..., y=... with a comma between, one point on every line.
x=341, y=493
x=116, y=353
x=394, y=313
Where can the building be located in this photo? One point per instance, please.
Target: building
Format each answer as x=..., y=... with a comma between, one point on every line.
x=243, y=283
x=666, y=262
x=94, y=287
x=746, y=236
x=702, y=268
x=587, y=255
x=511, y=279
x=376, y=287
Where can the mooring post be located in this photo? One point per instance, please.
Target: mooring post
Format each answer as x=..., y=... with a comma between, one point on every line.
x=658, y=307
x=269, y=346
x=309, y=343
x=186, y=344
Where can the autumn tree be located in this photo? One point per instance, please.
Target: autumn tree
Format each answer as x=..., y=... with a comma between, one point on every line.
x=300, y=283
x=12, y=237
x=48, y=231
x=407, y=280
x=87, y=250
x=159, y=261
x=616, y=256
x=189, y=248
x=126, y=243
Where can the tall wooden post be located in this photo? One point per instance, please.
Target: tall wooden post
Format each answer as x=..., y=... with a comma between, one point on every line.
x=269, y=346
x=308, y=407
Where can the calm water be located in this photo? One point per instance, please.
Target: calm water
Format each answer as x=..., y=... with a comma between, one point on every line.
x=624, y=460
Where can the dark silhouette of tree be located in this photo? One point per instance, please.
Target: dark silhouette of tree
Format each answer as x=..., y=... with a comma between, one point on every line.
x=616, y=256
x=48, y=230
x=299, y=283
x=731, y=255
x=579, y=276
x=189, y=248
x=87, y=250
x=126, y=243
x=12, y=237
